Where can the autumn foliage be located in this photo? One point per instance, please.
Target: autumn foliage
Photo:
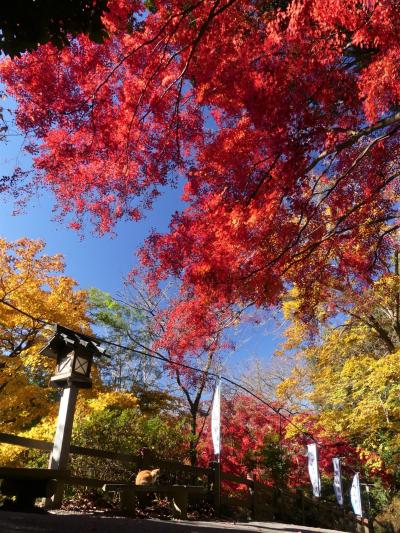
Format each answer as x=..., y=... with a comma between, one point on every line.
x=281, y=119
x=257, y=440
x=34, y=282
x=349, y=373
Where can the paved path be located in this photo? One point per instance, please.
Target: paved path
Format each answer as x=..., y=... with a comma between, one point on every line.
x=12, y=522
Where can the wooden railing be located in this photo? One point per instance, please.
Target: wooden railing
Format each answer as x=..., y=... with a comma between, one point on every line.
x=146, y=460
x=294, y=506
x=263, y=502
x=142, y=461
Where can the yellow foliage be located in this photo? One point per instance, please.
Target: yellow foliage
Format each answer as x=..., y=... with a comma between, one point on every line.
x=35, y=283
x=45, y=429
x=350, y=375
x=291, y=303
x=371, y=460
x=112, y=400
x=296, y=428
x=291, y=390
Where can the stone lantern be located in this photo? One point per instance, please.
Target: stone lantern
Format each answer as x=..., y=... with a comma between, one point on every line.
x=74, y=354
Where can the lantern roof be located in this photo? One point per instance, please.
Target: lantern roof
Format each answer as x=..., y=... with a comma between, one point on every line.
x=65, y=339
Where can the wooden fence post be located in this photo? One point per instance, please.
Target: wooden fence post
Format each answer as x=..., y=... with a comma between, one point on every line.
x=216, y=486
x=277, y=499
x=252, y=490
x=146, y=458
x=300, y=502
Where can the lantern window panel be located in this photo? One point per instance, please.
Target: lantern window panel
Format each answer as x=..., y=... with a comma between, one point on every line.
x=81, y=365
x=65, y=364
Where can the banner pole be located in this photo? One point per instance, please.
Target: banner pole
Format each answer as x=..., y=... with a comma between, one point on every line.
x=216, y=438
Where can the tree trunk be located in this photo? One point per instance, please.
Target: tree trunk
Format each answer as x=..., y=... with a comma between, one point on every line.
x=193, y=440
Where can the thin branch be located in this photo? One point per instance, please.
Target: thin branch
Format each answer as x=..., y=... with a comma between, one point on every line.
x=354, y=137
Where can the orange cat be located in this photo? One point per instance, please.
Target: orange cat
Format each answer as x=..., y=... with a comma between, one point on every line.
x=147, y=477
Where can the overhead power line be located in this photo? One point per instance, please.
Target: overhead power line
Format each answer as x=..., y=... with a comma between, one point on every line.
x=148, y=352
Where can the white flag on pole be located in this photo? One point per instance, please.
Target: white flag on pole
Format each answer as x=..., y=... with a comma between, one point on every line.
x=216, y=420
x=337, y=480
x=312, y=454
x=355, y=495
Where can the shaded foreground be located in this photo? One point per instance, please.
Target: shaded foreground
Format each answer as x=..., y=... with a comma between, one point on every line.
x=12, y=522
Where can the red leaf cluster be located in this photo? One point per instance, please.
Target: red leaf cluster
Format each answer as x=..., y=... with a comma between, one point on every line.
x=281, y=118
x=245, y=423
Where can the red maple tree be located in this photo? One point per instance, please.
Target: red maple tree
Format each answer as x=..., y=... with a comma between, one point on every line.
x=248, y=427
x=191, y=339
x=281, y=117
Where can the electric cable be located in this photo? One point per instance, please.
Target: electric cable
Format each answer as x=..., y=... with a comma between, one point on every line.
x=158, y=356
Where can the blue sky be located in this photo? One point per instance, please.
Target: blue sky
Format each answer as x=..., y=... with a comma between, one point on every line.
x=103, y=262
x=92, y=260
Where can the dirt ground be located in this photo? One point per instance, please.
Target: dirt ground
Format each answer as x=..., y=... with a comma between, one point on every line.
x=55, y=522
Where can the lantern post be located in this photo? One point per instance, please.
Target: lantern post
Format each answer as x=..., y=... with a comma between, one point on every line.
x=74, y=355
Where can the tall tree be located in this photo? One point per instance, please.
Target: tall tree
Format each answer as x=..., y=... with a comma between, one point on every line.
x=35, y=283
x=181, y=335
x=125, y=322
x=349, y=372
x=282, y=119
x=255, y=439
x=192, y=336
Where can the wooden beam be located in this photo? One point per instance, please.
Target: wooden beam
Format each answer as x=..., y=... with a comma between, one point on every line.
x=226, y=476
x=25, y=442
x=172, y=466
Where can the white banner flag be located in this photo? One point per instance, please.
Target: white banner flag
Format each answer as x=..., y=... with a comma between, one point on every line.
x=216, y=420
x=355, y=495
x=337, y=480
x=312, y=454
